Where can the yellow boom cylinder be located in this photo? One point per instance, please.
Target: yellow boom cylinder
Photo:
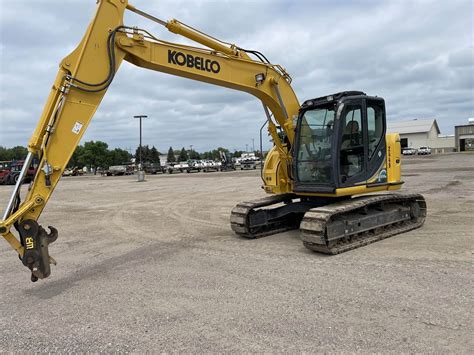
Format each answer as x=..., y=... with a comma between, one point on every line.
x=181, y=29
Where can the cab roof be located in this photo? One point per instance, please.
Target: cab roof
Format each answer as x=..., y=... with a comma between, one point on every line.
x=330, y=98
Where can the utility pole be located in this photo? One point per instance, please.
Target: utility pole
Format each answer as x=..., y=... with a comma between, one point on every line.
x=246, y=148
x=253, y=144
x=141, y=174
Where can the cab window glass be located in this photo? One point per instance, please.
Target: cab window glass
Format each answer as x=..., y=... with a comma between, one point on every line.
x=315, y=146
x=352, y=147
x=374, y=126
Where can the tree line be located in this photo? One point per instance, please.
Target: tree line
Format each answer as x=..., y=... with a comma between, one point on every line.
x=15, y=153
x=183, y=154
x=91, y=154
x=97, y=154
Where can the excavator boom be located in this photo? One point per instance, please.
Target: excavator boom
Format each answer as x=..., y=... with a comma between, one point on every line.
x=82, y=81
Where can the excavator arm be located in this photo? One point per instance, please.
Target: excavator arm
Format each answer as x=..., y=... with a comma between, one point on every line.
x=81, y=83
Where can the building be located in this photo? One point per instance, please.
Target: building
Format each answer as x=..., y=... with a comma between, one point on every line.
x=422, y=133
x=464, y=137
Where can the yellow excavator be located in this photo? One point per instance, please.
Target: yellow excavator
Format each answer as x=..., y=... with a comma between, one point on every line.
x=326, y=152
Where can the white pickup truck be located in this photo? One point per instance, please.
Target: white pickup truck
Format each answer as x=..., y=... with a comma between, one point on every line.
x=175, y=167
x=210, y=165
x=194, y=165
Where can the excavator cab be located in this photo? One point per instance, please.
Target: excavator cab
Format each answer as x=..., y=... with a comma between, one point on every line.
x=339, y=142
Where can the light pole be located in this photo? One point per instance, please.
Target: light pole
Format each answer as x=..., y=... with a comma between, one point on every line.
x=141, y=175
x=253, y=144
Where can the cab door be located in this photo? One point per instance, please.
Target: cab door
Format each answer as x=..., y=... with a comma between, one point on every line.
x=376, y=145
x=362, y=149
x=352, y=157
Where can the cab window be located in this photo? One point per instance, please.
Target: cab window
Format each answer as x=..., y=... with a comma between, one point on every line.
x=314, y=159
x=352, y=147
x=374, y=126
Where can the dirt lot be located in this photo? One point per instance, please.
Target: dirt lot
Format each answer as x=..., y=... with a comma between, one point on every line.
x=155, y=266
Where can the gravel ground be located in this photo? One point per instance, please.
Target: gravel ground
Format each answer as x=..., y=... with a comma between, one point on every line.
x=155, y=266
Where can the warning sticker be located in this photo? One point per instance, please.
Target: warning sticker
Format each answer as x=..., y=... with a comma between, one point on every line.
x=77, y=128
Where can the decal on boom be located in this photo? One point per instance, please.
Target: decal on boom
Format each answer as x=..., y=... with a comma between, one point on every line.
x=181, y=59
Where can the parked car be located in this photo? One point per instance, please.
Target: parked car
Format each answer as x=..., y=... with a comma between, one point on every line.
x=210, y=165
x=152, y=168
x=167, y=168
x=424, y=151
x=73, y=172
x=194, y=165
x=173, y=168
x=409, y=151
x=181, y=166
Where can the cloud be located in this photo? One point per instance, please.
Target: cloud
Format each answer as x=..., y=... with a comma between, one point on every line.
x=418, y=55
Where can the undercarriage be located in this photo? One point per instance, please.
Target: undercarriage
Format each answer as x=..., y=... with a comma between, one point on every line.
x=330, y=226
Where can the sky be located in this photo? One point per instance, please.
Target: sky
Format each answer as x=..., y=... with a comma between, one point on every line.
x=418, y=55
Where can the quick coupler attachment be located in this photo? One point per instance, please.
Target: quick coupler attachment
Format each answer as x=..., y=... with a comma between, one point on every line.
x=35, y=241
